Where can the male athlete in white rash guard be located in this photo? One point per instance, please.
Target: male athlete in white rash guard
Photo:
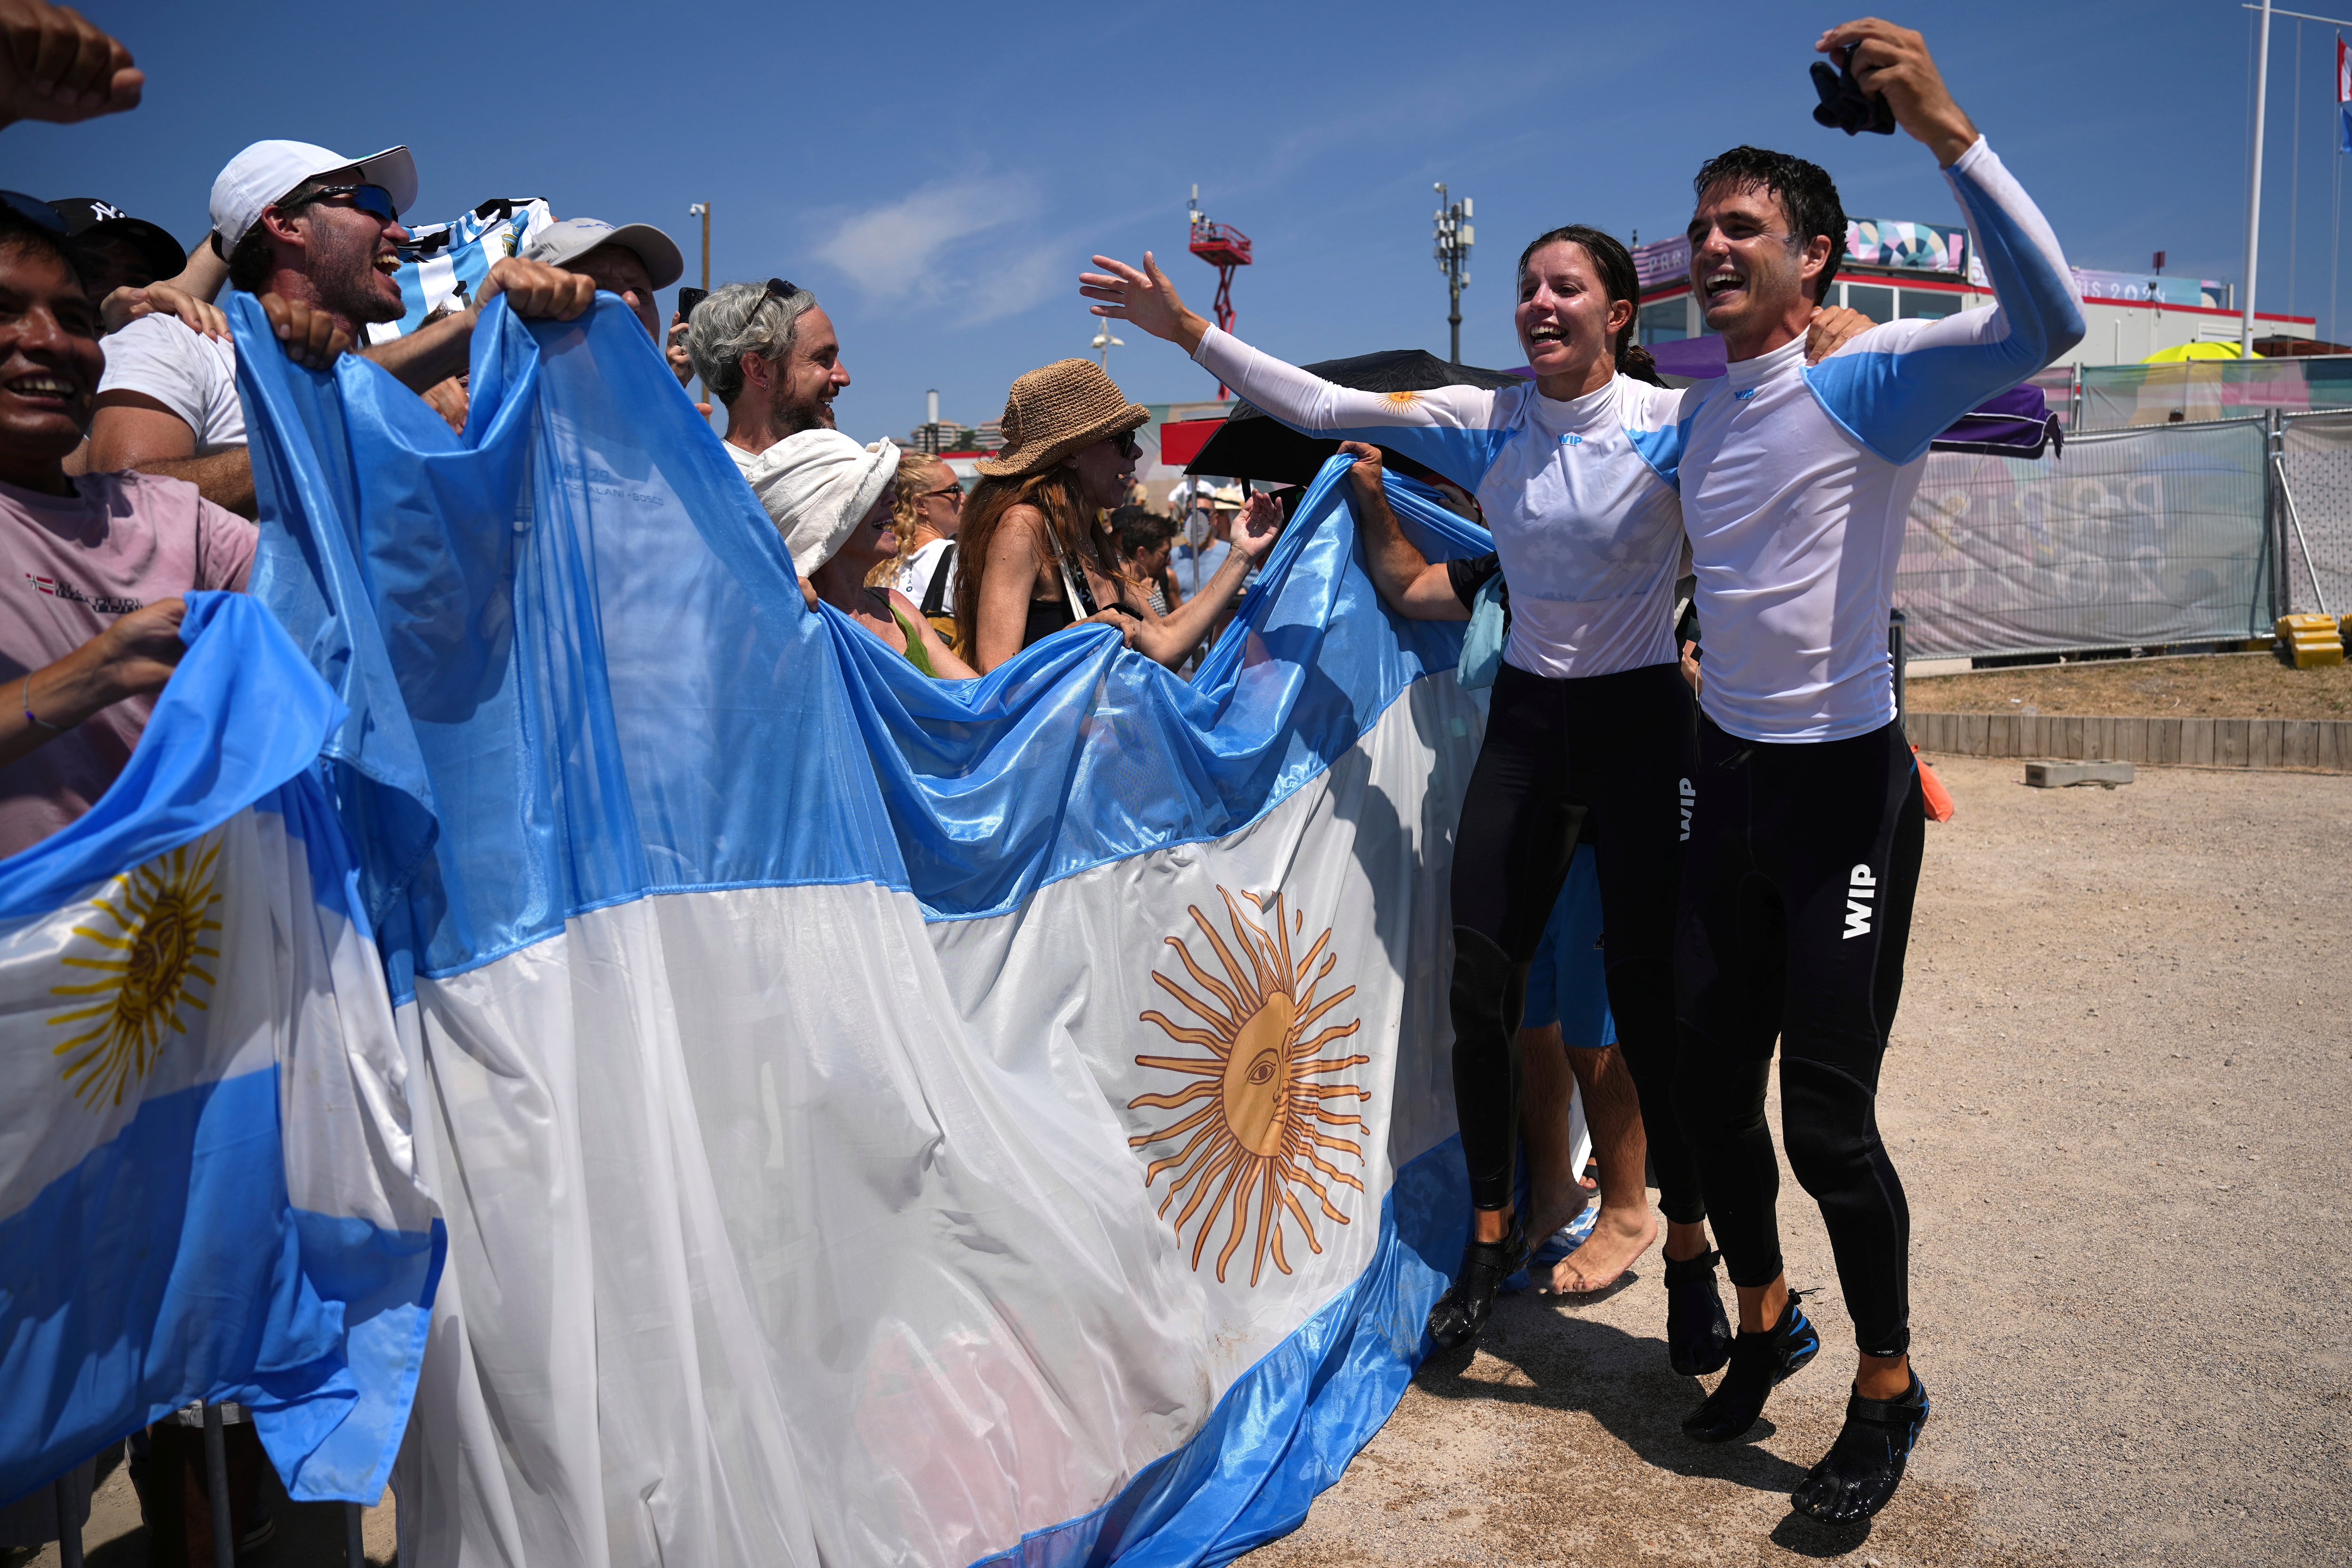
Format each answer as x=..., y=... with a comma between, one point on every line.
x=1807, y=835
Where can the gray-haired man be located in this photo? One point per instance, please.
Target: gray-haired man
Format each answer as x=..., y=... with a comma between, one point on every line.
x=769, y=354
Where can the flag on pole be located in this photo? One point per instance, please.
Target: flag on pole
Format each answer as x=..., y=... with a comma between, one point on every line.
x=205, y=1184
x=878, y=1119
x=2343, y=96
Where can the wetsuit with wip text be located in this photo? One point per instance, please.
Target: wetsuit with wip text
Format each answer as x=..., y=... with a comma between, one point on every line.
x=1590, y=716
x=1807, y=831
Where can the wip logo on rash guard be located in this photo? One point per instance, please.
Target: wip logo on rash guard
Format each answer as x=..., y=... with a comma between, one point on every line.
x=1861, y=887
x=1689, y=796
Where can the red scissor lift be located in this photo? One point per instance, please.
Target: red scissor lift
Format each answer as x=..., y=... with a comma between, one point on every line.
x=1225, y=247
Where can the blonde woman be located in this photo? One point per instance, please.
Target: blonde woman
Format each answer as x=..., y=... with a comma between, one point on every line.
x=930, y=505
x=1037, y=553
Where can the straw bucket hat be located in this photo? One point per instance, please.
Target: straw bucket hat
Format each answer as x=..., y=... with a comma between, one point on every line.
x=1056, y=410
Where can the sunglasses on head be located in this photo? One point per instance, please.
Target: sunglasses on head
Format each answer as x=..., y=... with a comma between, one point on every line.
x=777, y=288
x=33, y=209
x=372, y=200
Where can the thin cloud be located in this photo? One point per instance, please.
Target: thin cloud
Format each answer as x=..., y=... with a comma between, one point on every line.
x=952, y=244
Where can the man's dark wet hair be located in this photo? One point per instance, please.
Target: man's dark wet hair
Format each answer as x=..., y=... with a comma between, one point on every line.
x=1139, y=530
x=22, y=236
x=1807, y=195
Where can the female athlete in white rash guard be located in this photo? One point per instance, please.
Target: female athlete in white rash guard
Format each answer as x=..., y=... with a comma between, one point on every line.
x=1590, y=715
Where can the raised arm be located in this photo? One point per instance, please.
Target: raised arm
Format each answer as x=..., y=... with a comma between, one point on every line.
x=1901, y=383
x=1411, y=585
x=1169, y=638
x=1450, y=428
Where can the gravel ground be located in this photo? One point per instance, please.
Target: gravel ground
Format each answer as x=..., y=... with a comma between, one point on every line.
x=2119, y=1097
x=2209, y=686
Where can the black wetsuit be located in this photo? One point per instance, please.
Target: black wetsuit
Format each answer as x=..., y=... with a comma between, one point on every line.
x=1614, y=750
x=1803, y=862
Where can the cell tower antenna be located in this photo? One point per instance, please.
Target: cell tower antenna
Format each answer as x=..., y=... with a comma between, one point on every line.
x=1225, y=247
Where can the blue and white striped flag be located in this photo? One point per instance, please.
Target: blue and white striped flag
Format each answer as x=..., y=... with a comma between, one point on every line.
x=878, y=1120
x=446, y=262
x=206, y=1184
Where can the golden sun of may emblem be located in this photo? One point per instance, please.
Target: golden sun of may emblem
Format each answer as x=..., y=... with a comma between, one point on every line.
x=1261, y=1124
x=153, y=920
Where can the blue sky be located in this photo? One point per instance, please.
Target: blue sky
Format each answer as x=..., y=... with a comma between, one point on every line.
x=939, y=174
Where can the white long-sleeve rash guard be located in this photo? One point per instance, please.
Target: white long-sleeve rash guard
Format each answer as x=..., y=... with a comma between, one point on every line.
x=1580, y=495
x=1796, y=479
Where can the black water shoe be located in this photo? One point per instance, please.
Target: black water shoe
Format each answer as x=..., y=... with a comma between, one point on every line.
x=1759, y=1363
x=1699, y=1336
x=1461, y=1314
x=1859, y=1475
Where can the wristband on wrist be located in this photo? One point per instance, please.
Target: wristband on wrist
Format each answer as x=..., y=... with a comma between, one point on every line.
x=33, y=718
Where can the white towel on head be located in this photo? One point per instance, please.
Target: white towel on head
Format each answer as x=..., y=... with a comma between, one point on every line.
x=816, y=486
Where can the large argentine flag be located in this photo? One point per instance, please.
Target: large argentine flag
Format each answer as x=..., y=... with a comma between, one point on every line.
x=878, y=1120
x=206, y=1186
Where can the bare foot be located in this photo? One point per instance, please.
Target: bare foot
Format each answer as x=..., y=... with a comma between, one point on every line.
x=1619, y=1237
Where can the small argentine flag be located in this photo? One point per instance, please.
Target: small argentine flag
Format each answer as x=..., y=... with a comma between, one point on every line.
x=206, y=1182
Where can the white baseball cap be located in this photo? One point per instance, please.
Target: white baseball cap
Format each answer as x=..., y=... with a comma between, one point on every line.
x=267, y=172
x=576, y=237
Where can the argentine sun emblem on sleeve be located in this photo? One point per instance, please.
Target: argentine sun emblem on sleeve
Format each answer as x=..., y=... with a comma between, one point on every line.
x=148, y=940
x=1260, y=1124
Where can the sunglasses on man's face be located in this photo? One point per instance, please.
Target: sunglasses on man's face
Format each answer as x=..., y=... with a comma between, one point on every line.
x=1126, y=444
x=372, y=200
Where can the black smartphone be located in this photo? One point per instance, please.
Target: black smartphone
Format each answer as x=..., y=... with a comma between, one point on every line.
x=688, y=299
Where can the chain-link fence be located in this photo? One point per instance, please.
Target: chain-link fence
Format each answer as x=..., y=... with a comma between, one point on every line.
x=2132, y=538
x=2315, y=461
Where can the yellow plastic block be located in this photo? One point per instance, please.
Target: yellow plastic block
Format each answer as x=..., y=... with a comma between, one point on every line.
x=2311, y=640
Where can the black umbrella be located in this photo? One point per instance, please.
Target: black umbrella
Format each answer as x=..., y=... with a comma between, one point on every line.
x=1251, y=445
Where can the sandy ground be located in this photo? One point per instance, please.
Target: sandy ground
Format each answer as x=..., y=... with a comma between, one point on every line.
x=2212, y=686
x=2119, y=1097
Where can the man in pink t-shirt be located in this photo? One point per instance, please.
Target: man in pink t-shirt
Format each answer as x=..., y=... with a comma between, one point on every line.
x=90, y=605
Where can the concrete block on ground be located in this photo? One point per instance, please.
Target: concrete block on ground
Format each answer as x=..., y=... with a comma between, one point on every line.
x=2058, y=776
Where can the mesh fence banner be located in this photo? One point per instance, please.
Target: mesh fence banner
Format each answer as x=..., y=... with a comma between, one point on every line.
x=2318, y=462
x=2131, y=539
x=2117, y=396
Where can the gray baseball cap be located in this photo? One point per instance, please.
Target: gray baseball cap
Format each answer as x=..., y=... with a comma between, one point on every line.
x=559, y=243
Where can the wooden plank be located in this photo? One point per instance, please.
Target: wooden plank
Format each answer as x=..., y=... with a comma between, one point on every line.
x=2335, y=745
x=2130, y=740
x=2001, y=740
x=2232, y=742
x=2164, y=741
x=2266, y=742
x=1973, y=735
x=2196, y=742
x=2071, y=738
x=2059, y=775
x=2299, y=743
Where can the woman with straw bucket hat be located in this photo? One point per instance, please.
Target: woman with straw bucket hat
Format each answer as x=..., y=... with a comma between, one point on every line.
x=1035, y=553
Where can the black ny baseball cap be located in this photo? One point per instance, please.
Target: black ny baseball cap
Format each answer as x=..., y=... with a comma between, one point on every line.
x=86, y=216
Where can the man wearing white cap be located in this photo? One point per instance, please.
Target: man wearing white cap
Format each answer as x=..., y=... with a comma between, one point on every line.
x=633, y=260
x=315, y=233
